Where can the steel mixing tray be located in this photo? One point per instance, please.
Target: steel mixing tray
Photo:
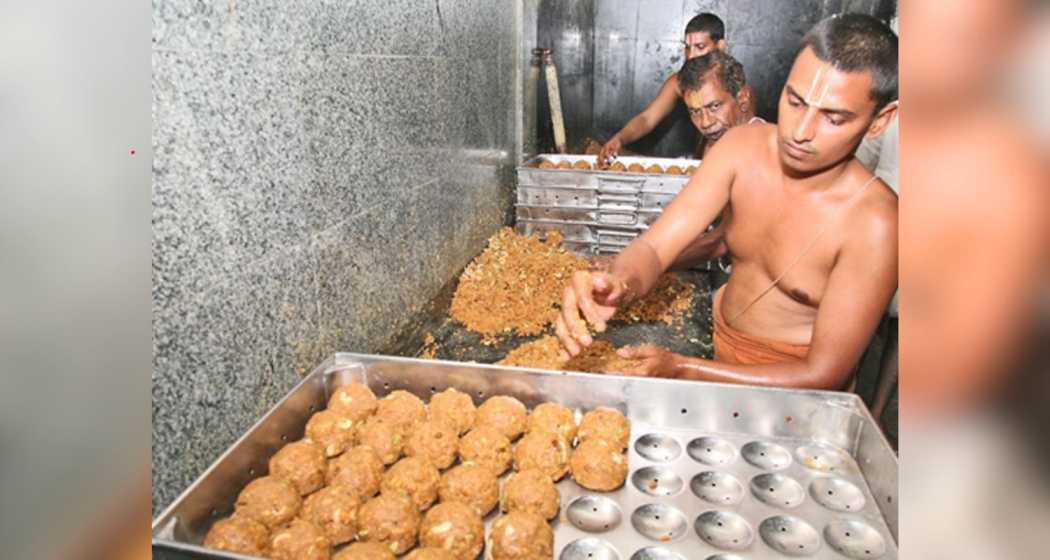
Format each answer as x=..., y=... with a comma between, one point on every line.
x=717, y=471
x=596, y=211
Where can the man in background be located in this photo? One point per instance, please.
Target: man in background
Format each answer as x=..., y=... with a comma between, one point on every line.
x=714, y=88
x=703, y=34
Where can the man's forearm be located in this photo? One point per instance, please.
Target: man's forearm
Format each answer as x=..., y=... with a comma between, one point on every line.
x=794, y=374
x=638, y=267
x=708, y=246
x=636, y=128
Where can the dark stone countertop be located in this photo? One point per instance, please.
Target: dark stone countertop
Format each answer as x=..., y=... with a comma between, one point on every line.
x=690, y=336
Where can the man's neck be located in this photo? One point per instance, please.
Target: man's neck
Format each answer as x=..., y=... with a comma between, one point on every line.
x=816, y=181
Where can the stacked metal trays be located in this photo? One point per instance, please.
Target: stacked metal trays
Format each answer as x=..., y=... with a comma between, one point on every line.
x=716, y=471
x=597, y=212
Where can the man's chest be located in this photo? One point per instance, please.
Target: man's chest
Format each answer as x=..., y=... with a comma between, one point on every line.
x=776, y=237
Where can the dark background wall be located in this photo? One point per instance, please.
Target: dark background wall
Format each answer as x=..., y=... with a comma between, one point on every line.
x=322, y=168
x=568, y=29
x=630, y=47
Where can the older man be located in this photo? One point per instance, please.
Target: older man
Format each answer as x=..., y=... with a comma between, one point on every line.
x=714, y=88
x=705, y=33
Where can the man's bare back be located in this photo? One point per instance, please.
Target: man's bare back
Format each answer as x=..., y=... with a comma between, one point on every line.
x=770, y=223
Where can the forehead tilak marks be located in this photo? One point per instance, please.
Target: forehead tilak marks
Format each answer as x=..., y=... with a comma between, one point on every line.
x=813, y=87
x=811, y=106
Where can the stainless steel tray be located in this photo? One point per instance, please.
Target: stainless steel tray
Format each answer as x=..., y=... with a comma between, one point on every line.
x=596, y=211
x=794, y=473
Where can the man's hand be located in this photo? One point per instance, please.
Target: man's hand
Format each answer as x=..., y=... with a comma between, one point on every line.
x=601, y=263
x=654, y=361
x=610, y=150
x=594, y=294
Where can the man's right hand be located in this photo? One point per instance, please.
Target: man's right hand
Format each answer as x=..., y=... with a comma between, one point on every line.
x=595, y=295
x=610, y=150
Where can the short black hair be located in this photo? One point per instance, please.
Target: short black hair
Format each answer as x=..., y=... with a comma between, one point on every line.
x=716, y=63
x=708, y=23
x=858, y=43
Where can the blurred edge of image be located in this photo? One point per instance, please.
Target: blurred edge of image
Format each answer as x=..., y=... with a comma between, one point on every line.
x=974, y=259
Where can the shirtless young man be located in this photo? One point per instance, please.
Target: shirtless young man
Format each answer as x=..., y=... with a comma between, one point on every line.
x=704, y=33
x=811, y=233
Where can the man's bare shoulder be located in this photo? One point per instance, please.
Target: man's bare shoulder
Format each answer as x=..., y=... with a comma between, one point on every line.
x=671, y=84
x=747, y=138
x=873, y=218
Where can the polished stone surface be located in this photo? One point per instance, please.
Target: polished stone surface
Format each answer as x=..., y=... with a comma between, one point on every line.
x=322, y=169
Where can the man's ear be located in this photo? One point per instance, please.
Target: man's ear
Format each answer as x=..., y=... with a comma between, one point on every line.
x=721, y=44
x=883, y=119
x=744, y=100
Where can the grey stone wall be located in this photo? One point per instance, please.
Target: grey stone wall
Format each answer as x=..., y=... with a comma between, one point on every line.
x=322, y=168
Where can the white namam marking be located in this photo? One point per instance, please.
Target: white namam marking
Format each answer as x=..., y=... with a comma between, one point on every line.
x=813, y=85
x=812, y=106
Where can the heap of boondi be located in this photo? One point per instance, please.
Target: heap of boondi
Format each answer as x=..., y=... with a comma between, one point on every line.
x=599, y=357
x=516, y=284
x=668, y=301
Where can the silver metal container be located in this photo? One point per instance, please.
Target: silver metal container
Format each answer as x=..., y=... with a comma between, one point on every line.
x=716, y=471
x=598, y=212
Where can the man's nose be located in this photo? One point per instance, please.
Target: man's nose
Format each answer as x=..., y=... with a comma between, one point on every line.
x=806, y=128
x=706, y=120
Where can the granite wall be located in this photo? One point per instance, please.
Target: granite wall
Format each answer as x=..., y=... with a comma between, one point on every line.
x=322, y=168
x=637, y=45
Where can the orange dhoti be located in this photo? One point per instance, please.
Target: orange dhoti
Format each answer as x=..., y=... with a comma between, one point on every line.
x=735, y=347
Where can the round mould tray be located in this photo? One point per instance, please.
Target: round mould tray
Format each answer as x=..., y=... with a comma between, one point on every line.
x=766, y=456
x=657, y=481
x=717, y=488
x=590, y=548
x=855, y=539
x=593, y=514
x=711, y=450
x=658, y=447
x=837, y=494
x=724, y=529
x=778, y=490
x=659, y=522
x=655, y=553
x=790, y=536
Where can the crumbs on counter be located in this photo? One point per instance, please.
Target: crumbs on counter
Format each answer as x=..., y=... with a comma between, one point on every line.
x=515, y=285
x=430, y=347
x=668, y=302
x=599, y=357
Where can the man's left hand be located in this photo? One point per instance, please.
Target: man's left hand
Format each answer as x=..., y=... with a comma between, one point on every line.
x=653, y=361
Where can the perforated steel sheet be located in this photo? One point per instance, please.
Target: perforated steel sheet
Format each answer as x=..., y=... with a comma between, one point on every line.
x=597, y=211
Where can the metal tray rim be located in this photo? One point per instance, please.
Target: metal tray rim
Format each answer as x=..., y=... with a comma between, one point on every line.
x=167, y=511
